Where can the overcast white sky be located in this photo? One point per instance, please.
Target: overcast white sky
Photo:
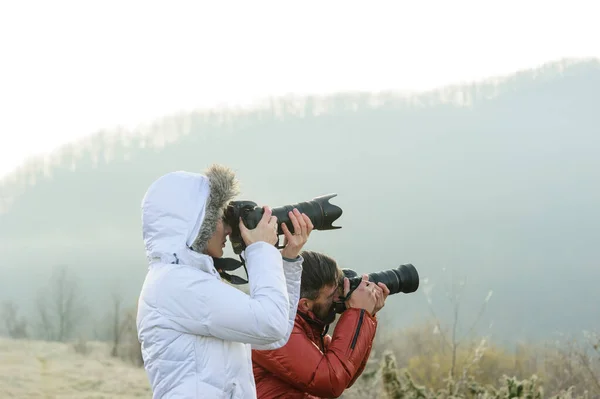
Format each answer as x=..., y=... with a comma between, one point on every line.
x=69, y=68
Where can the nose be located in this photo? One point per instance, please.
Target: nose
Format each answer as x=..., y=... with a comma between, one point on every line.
x=227, y=229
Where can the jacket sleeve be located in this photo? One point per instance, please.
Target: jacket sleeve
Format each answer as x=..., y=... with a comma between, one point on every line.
x=361, y=368
x=207, y=306
x=293, y=273
x=323, y=374
x=363, y=364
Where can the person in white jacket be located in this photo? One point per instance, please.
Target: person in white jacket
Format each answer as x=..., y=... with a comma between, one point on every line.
x=196, y=331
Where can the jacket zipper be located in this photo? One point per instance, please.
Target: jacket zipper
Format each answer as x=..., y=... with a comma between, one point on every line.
x=360, y=320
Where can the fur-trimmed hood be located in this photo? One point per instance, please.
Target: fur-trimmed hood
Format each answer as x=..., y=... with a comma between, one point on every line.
x=180, y=211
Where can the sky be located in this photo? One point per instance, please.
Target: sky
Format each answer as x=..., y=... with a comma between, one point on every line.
x=71, y=68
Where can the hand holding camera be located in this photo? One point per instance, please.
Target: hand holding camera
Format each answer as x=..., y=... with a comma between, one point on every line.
x=293, y=243
x=265, y=230
x=319, y=212
x=381, y=297
x=367, y=295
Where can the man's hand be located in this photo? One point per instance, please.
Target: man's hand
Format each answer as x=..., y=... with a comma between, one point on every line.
x=293, y=243
x=265, y=230
x=365, y=296
x=381, y=297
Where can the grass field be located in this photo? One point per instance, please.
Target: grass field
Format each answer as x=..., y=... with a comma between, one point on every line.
x=38, y=369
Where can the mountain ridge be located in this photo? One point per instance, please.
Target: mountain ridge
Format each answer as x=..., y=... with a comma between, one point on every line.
x=500, y=192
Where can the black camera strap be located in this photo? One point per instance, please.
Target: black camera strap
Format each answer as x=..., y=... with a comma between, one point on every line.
x=340, y=306
x=223, y=265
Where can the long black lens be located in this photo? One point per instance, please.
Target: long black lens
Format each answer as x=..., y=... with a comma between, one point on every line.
x=321, y=213
x=404, y=279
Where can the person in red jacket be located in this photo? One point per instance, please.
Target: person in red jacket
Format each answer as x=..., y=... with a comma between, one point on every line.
x=313, y=364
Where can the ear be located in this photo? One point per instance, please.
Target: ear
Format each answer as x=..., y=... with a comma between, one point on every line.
x=305, y=304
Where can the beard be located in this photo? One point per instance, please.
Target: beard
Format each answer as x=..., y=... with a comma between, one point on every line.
x=326, y=315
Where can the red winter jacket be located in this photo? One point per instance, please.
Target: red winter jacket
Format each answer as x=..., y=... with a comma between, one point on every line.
x=315, y=365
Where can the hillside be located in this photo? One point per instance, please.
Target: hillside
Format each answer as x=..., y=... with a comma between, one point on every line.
x=496, y=182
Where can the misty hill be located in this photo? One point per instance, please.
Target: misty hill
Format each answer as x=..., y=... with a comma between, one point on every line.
x=496, y=182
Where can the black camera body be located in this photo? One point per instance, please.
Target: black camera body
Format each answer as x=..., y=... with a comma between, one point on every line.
x=404, y=278
x=320, y=212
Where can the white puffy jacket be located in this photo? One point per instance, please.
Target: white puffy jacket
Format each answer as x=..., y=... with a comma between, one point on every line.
x=197, y=331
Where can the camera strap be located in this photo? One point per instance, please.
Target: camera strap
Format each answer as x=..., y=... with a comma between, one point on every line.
x=223, y=265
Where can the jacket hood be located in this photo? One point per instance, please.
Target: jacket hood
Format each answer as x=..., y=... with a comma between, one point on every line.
x=180, y=211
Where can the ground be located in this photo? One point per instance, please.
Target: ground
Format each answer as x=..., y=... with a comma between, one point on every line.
x=37, y=369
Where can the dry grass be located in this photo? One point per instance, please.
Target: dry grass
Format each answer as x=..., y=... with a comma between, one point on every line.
x=415, y=363
x=403, y=363
x=38, y=369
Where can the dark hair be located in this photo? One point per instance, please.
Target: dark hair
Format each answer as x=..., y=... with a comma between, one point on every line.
x=318, y=270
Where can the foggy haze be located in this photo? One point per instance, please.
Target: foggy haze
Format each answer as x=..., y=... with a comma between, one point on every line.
x=496, y=184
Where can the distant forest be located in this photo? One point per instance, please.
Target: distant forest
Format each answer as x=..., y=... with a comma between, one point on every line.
x=490, y=189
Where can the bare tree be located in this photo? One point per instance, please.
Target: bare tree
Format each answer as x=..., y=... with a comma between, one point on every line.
x=130, y=338
x=118, y=325
x=454, y=342
x=60, y=306
x=15, y=326
x=574, y=363
x=588, y=356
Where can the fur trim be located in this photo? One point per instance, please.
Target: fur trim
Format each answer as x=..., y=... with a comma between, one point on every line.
x=223, y=188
